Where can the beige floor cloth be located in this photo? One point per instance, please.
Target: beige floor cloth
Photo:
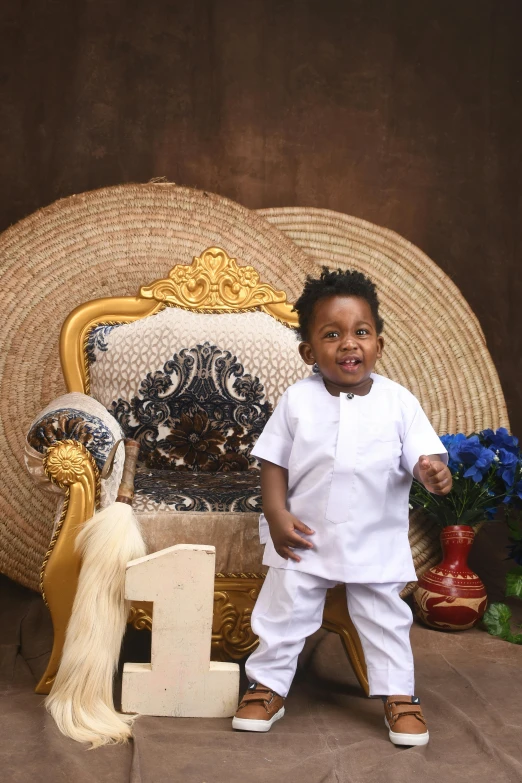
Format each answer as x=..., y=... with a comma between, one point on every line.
x=470, y=685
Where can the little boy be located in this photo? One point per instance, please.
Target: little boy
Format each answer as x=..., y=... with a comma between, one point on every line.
x=337, y=460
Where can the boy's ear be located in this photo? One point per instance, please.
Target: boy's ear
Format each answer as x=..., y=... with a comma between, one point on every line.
x=380, y=346
x=305, y=349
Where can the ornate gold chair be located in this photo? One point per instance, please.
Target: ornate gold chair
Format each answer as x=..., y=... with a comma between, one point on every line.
x=191, y=367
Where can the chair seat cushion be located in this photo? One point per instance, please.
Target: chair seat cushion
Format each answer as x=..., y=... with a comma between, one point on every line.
x=216, y=509
x=182, y=490
x=235, y=536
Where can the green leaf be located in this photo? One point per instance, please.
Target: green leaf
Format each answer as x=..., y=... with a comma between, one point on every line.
x=496, y=620
x=514, y=582
x=515, y=526
x=459, y=487
x=472, y=516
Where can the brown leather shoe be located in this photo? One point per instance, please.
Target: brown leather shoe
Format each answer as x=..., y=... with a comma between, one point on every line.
x=403, y=717
x=259, y=709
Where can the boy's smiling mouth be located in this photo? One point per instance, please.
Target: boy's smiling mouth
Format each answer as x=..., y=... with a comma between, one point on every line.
x=350, y=363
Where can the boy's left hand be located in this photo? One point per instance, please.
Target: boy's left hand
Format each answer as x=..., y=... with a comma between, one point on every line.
x=434, y=474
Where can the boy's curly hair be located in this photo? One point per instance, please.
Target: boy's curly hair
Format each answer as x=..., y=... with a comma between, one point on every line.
x=341, y=282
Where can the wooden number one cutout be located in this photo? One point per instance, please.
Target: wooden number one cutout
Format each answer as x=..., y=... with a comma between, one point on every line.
x=180, y=680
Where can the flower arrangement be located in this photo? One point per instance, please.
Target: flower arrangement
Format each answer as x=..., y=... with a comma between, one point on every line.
x=487, y=473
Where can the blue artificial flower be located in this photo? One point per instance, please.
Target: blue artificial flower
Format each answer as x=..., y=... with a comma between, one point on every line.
x=447, y=441
x=453, y=446
x=468, y=450
x=471, y=452
x=483, y=462
x=489, y=437
x=508, y=466
x=490, y=512
x=501, y=439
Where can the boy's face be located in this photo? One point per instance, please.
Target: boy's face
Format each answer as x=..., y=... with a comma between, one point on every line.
x=344, y=343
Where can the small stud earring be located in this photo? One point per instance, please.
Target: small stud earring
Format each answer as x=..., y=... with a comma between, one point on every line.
x=315, y=368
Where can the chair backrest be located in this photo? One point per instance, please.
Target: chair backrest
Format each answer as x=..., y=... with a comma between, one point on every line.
x=193, y=366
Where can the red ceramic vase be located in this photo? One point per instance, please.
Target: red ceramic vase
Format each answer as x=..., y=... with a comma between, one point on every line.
x=450, y=596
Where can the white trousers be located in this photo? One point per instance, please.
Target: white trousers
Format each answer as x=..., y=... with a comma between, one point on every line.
x=290, y=608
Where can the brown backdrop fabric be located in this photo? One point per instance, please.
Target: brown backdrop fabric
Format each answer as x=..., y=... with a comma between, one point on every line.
x=407, y=114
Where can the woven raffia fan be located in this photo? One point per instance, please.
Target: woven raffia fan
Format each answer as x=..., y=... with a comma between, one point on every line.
x=112, y=241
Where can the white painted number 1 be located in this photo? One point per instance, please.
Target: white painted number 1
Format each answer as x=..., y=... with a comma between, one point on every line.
x=180, y=680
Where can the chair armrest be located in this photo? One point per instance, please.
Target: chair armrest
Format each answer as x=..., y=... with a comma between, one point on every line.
x=78, y=417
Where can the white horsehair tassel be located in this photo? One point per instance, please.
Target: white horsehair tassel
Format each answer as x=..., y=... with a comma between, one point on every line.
x=81, y=699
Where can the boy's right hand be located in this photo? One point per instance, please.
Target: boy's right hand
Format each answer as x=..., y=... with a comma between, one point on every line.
x=283, y=526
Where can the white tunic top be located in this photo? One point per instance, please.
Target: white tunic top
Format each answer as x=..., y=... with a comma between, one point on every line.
x=350, y=465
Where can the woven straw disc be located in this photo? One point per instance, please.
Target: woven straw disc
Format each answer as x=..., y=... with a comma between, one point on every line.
x=103, y=243
x=111, y=241
x=433, y=341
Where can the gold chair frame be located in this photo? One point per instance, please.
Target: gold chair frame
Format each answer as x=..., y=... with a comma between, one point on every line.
x=212, y=283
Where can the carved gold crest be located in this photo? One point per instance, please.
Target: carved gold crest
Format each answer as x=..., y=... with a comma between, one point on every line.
x=214, y=282
x=65, y=462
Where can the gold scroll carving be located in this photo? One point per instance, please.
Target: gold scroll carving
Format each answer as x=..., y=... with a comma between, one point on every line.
x=213, y=282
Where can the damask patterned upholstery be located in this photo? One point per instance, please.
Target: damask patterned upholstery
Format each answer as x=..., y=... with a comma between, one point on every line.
x=200, y=412
x=195, y=390
x=238, y=491
x=74, y=424
x=79, y=417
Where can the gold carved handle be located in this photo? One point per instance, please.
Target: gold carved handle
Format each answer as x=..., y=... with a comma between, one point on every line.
x=126, y=488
